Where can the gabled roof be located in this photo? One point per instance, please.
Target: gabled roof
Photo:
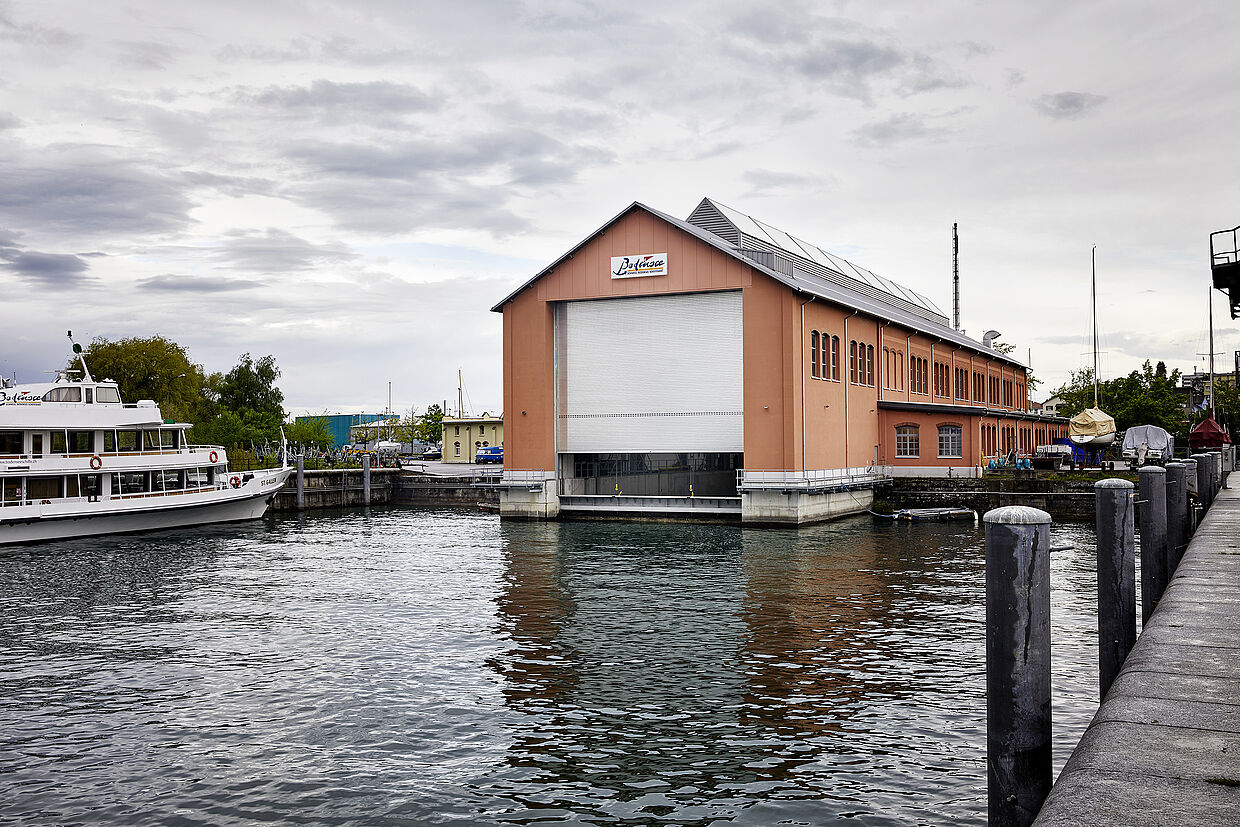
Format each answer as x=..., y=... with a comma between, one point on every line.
x=803, y=267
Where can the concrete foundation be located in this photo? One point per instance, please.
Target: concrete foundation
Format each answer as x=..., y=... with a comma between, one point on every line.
x=797, y=508
x=534, y=502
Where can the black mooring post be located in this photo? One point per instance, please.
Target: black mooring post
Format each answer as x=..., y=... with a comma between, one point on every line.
x=1018, y=664
x=1117, y=576
x=1153, y=525
x=1205, y=470
x=1194, y=496
x=366, y=479
x=301, y=483
x=1177, y=515
x=1216, y=477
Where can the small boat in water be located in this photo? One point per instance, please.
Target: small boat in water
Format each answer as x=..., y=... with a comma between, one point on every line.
x=75, y=461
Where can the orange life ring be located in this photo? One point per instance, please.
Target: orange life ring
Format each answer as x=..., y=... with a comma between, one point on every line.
x=96, y=463
x=234, y=481
x=214, y=456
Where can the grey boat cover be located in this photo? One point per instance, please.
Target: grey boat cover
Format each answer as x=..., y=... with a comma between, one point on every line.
x=1155, y=438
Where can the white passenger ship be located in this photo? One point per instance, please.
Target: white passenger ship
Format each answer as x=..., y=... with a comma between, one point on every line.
x=76, y=462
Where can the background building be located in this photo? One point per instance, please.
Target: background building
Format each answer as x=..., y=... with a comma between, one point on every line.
x=719, y=364
x=464, y=435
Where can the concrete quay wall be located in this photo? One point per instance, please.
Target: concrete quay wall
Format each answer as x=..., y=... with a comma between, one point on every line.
x=1164, y=747
x=1062, y=499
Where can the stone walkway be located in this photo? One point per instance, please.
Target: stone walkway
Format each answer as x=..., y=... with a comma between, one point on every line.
x=1164, y=748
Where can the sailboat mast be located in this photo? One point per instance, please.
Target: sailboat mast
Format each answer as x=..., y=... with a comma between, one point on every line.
x=1093, y=298
x=460, y=394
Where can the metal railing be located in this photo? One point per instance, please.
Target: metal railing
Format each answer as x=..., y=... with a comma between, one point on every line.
x=511, y=478
x=818, y=480
x=1225, y=247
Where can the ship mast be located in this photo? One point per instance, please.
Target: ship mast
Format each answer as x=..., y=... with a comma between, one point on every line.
x=1093, y=298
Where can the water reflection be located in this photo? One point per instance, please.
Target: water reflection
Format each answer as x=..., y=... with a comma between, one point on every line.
x=408, y=667
x=696, y=670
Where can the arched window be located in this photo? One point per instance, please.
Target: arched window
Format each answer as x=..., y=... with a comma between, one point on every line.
x=869, y=365
x=852, y=361
x=907, y=441
x=813, y=354
x=899, y=371
x=950, y=442
x=457, y=445
x=835, y=358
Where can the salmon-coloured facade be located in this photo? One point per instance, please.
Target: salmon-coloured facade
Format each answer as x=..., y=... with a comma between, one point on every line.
x=843, y=376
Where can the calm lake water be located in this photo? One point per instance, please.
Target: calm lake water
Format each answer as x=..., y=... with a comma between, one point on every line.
x=409, y=667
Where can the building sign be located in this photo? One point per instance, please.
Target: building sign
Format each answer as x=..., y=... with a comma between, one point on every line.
x=643, y=264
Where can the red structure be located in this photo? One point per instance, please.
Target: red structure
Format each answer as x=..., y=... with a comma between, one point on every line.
x=1207, y=435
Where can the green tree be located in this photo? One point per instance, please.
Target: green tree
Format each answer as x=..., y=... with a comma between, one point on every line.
x=309, y=432
x=151, y=368
x=251, y=386
x=429, y=426
x=1144, y=397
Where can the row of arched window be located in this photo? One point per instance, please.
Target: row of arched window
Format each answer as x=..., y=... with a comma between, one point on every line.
x=824, y=356
x=824, y=360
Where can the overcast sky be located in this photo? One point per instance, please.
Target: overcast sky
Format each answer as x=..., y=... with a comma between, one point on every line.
x=350, y=186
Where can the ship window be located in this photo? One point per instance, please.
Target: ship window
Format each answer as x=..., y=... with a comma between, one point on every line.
x=168, y=439
x=11, y=491
x=58, y=442
x=71, y=486
x=42, y=488
x=81, y=442
x=152, y=441
x=128, y=440
x=129, y=483
x=167, y=480
x=11, y=443
x=73, y=394
x=109, y=442
x=106, y=394
x=88, y=395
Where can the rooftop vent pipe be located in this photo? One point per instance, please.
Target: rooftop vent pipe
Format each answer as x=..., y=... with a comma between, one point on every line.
x=989, y=337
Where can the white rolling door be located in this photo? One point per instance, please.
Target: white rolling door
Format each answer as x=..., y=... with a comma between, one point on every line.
x=650, y=374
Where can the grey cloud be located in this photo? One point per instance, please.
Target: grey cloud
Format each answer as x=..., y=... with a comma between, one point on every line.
x=232, y=185
x=338, y=49
x=82, y=192
x=424, y=182
x=26, y=34
x=145, y=55
x=197, y=284
x=344, y=101
x=1068, y=104
x=766, y=182
x=9, y=121
x=277, y=251
x=54, y=270
x=893, y=130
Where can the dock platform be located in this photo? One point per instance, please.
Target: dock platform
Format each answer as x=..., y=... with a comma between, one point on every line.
x=1164, y=747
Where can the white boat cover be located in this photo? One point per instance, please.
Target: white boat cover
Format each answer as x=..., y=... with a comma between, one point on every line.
x=1091, y=423
x=1155, y=438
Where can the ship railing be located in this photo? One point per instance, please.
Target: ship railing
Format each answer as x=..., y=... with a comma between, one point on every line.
x=814, y=481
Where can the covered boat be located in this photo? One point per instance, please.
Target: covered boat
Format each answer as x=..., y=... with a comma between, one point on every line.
x=1147, y=444
x=1092, y=428
x=1207, y=435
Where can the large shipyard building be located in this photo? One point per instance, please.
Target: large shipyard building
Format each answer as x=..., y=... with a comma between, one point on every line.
x=721, y=367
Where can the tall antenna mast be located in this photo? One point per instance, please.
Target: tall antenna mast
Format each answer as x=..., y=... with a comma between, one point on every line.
x=1211, y=311
x=955, y=278
x=1093, y=299
x=460, y=394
